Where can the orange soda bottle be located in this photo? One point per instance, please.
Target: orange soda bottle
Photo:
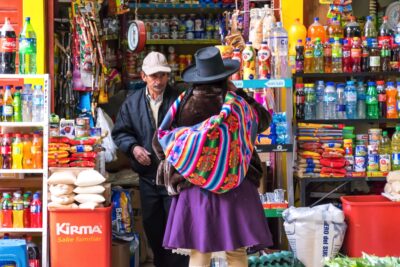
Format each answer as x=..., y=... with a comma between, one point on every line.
x=37, y=151
x=334, y=29
x=316, y=30
x=391, y=101
x=27, y=159
x=16, y=152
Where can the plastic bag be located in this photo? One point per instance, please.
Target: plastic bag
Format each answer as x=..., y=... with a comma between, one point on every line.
x=105, y=123
x=122, y=214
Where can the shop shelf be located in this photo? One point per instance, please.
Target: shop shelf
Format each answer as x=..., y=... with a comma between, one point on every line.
x=178, y=6
x=21, y=230
x=23, y=76
x=21, y=124
x=260, y=84
x=183, y=42
x=26, y=182
x=353, y=74
x=344, y=179
x=274, y=148
x=21, y=171
x=346, y=121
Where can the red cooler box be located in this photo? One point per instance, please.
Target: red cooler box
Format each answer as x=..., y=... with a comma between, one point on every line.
x=373, y=222
x=80, y=237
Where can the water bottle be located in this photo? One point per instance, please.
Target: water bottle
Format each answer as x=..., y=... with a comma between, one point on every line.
x=341, y=102
x=330, y=101
x=309, y=107
x=26, y=98
x=350, y=93
x=280, y=65
x=319, y=91
x=27, y=49
x=361, y=97
x=37, y=104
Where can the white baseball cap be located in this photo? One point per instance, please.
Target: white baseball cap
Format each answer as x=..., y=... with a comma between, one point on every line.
x=155, y=62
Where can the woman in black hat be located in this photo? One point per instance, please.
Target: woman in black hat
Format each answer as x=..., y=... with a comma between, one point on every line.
x=222, y=215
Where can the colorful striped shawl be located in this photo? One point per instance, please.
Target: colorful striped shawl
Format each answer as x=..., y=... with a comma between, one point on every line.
x=214, y=154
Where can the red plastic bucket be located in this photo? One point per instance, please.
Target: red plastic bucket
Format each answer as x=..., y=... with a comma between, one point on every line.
x=373, y=223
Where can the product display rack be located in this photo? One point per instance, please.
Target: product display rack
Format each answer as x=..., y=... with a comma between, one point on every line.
x=212, y=6
x=35, y=182
x=183, y=42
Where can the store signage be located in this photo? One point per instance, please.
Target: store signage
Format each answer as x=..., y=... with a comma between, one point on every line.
x=275, y=83
x=238, y=83
x=68, y=229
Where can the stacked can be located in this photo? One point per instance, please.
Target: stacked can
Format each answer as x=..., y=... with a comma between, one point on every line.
x=348, y=155
x=374, y=135
x=360, y=159
x=156, y=27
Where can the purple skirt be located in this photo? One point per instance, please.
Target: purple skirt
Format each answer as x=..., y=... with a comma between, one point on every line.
x=209, y=222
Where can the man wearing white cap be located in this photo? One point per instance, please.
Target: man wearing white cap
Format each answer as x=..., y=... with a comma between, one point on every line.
x=138, y=118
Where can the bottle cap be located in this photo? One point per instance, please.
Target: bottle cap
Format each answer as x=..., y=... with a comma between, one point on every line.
x=390, y=83
x=308, y=39
x=321, y=82
x=369, y=18
x=6, y=135
x=36, y=196
x=341, y=85
x=384, y=133
x=398, y=128
x=18, y=87
x=380, y=82
x=336, y=38
x=334, y=18
x=330, y=84
x=317, y=39
x=350, y=82
x=18, y=135
x=316, y=19
x=28, y=19
x=279, y=24
x=17, y=194
x=300, y=41
x=8, y=87
x=299, y=85
x=371, y=83
x=247, y=43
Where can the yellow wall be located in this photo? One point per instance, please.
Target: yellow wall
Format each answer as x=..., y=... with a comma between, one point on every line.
x=35, y=10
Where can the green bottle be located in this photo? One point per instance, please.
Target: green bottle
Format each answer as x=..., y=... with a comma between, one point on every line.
x=372, y=101
x=17, y=105
x=27, y=49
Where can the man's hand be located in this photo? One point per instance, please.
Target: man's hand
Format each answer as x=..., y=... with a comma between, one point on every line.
x=142, y=155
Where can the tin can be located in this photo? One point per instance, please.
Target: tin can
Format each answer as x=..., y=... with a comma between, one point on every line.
x=362, y=138
x=374, y=134
x=361, y=150
x=359, y=163
x=155, y=25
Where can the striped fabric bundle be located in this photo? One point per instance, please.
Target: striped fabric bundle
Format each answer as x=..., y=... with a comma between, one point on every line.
x=214, y=154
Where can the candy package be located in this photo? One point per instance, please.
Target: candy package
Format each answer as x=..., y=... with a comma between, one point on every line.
x=122, y=214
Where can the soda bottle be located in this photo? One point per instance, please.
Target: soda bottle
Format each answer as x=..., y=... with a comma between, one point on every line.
x=38, y=99
x=297, y=31
x=385, y=56
x=310, y=99
x=319, y=92
x=264, y=61
x=385, y=33
x=27, y=159
x=334, y=29
x=17, y=105
x=236, y=56
x=17, y=152
x=396, y=149
x=33, y=253
x=337, y=56
x=352, y=29
x=372, y=101
x=279, y=49
x=341, y=102
x=328, y=56
x=361, y=96
x=356, y=55
x=347, y=65
x=370, y=33
x=316, y=30
x=18, y=211
x=384, y=153
x=27, y=211
x=308, y=56
x=350, y=93
x=365, y=59
x=391, y=101
x=26, y=98
x=27, y=49
x=36, y=211
x=8, y=110
x=299, y=57
x=398, y=99
x=8, y=46
x=6, y=151
x=7, y=210
x=394, y=58
x=37, y=151
x=380, y=88
x=249, y=66
x=375, y=58
x=318, y=56
x=330, y=98
x=300, y=99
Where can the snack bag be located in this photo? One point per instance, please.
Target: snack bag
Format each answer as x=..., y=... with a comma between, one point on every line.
x=122, y=214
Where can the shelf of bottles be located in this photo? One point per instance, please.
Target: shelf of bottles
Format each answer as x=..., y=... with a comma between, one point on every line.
x=183, y=42
x=180, y=5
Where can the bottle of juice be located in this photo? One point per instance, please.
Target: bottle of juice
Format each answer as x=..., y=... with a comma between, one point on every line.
x=6, y=151
x=36, y=211
x=238, y=57
x=308, y=56
x=17, y=152
x=384, y=153
x=37, y=151
x=356, y=55
x=17, y=104
x=374, y=58
x=249, y=62
x=264, y=61
x=18, y=211
x=27, y=159
x=391, y=103
x=7, y=210
x=328, y=56
x=27, y=209
x=8, y=110
x=334, y=29
x=337, y=56
x=396, y=149
x=347, y=66
x=297, y=31
x=316, y=30
x=318, y=56
x=299, y=57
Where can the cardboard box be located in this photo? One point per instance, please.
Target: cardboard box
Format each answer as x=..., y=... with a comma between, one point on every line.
x=120, y=254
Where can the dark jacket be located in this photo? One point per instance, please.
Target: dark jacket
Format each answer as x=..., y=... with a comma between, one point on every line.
x=135, y=126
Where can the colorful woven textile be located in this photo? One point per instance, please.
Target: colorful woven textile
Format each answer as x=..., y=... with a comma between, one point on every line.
x=214, y=154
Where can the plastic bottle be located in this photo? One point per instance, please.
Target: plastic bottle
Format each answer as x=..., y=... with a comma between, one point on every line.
x=300, y=99
x=385, y=56
x=380, y=88
x=398, y=99
x=33, y=253
x=38, y=103
x=268, y=23
x=330, y=101
x=374, y=58
x=7, y=210
x=350, y=93
x=316, y=30
x=337, y=56
x=18, y=211
x=27, y=159
x=394, y=58
x=341, y=102
x=319, y=92
x=372, y=101
x=1, y=102
x=27, y=210
x=385, y=33
x=37, y=151
x=309, y=56
x=310, y=99
x=328, y=56
x=279, y=49
x=297, y=31
x=17, y=152
x=391, y=101
x=318, y=64
x=26, y=99
x=8, y=109
x=384, y=153
x=370, y=32
x=8, y=48
x=355, y=53
x=396, y=149
x=27, y=49
x=352, y=29
x=6, y=151
x=17, y=105
x=334, y=29
x=299, y=57
x=365, y=59
x=36, y=211
x=264, y=61
x=347, y=65
x=361, y=106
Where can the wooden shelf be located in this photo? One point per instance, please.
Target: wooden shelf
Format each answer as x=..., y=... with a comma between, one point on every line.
x=26, y=182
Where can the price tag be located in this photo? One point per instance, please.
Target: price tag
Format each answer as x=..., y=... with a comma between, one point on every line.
x=238, y=83
x=275, y=83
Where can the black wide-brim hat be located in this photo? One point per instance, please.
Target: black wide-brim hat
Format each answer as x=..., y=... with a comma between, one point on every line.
x=209, y=67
